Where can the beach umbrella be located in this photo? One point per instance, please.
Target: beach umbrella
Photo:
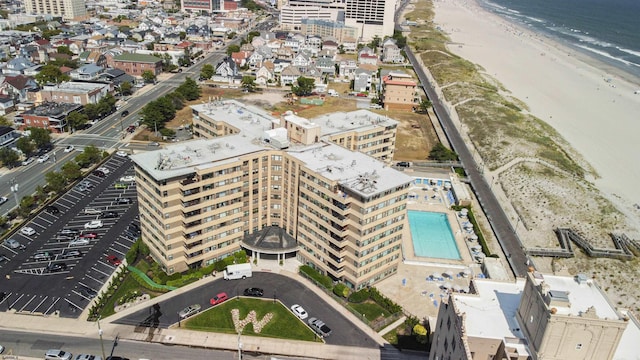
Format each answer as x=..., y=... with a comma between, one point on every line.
x=473, y=237
x=476, y=248
x=466, y=271
x=449, y=273
x=464, y=211
x=457, y=287
x=436, y=275
x=468, y=226
x=446, y=285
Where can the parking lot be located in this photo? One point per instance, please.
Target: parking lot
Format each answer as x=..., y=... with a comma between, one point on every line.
x=60, y=259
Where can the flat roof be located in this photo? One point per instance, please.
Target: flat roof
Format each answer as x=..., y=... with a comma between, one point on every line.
x=355, y=171
x=362, y=119
x=250, y=120
x=75, y=87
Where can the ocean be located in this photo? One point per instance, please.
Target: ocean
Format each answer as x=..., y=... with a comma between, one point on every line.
x=608, y=30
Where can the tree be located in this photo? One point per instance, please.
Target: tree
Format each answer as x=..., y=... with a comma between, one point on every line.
x=341, y=49
x=8, y=157
x=232, y=48
x=51, y=74
x=305, y=86
x=71, y=171
x=93, y=153
x=248, y=83
x=76, y=119
x=424, y=106
x=62, y=49
x=189, y=89
x=41, y=137
x=25, y=145
x=5, y=122
x=55, y=181
x=441, y=153
x=207, y=71
x=420, y=333
x=401, y=41
x=148, y=76
x=126, y=88
x=375, y=43
x=26, y=204
x=92, y=111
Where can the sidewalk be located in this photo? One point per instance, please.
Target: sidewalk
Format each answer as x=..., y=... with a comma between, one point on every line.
x=175, y=336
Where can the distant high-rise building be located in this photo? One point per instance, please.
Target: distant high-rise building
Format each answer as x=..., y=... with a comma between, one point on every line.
x=372, y=17
x=67, y=9
x=202, y=5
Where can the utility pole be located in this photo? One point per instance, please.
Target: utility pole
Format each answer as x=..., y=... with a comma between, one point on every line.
x=101, y=341
x=14, y=190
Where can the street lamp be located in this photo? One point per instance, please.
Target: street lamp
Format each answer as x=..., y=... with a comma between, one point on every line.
x=239, y=346
x=101, y=342
x=14, y=190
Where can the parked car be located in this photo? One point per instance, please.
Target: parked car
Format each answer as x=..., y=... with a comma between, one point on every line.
x=189, y=310
x=128, y=178
x=88, y=357
x=12, y=244
x=3, y=199
x=299, y=311
x=154, y=143
x=89, y=235
x=28, y=231
x=131, y=128
x=99, y=173
x=253, y=292
x=123, y=201
x=113, y=260
x=44, y=158
x=403, y=164
x=122, y=153
x=220, y=298
x=124, y=113
x=319, y=327
x=57, y=355
x=93, y=224
x=109, y=214
x=56, y=267
x=52, y=210
x=70, y=254
x=69, y=148
x=27, y=161
x=69, y=232
x=103, y=169
x=87, y=292
x=92, y=211
x=120, y=185
x=43, y=256
x=79, y=242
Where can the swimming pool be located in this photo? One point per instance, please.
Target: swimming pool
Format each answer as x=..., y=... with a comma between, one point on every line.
x=432, y=236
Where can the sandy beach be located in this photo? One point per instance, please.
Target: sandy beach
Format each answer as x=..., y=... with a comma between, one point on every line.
x=591, y=105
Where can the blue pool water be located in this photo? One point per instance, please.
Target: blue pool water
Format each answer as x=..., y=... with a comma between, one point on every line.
x=432, y=236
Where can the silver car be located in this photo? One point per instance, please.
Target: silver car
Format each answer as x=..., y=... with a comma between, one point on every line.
x=189, y=310
x=57, y=355
x=12, y=244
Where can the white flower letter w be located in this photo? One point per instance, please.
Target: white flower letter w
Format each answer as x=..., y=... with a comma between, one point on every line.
x=251, y=318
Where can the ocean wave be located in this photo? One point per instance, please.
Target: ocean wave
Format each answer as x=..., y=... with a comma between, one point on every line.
x=582, y=37
x=632, y=52
x=607, y=55
x=535, y=19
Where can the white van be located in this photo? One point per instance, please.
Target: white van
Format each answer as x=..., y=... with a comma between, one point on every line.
x=237, y=271
x=92, y=211
x=333, y=93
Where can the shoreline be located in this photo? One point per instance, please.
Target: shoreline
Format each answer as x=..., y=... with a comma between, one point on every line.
x=564, y=87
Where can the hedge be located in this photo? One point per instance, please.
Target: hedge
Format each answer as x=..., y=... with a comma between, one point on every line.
x=384, y=301
x=359, y=296
x=315, y=275
x=341, y=290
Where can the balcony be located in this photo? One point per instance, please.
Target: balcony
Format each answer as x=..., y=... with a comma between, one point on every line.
x=190, y=180
x=190, y=192
x=192, y=245
x=191, y=235
x=340, y=205
x=192, y=224
x=194, y=254
x=192, y=213
x=190, y=203
x=335, y=269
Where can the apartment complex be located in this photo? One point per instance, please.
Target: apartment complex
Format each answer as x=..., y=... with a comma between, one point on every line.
x=399, y=92
x=540, y=317
x=67, y=9
x=136, y=64
x=324, y=29
x=202, y=5
x=71, y=92
x=277, y=187
x=51, y=116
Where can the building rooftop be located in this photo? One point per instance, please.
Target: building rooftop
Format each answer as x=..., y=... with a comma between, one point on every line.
x=52, y=109
x=143, y=58
x=362, y=119
x=75, y=87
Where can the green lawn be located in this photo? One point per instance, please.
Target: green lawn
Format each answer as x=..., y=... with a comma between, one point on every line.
x=283, y=325
x=128, y=284
x=370, y=310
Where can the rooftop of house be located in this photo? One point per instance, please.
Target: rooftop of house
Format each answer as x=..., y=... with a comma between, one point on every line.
x=338, y=122
x=75, y=87
x=142, y=58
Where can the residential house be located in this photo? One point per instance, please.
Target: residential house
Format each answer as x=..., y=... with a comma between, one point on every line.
x=330, y=45
x=391, y=52
x=52, y=116
x=17, y=65
x=265, y=74
x=362, y=80
x=7, y=105
x=279, y=65
x=285, y=53
x=226, y=70
x=136, y=64
x=292, y=43
x=247, y=47
x=347, y=68
x=17, y=87
x=87, y=72
x=312, y=72
x=71, y=92
x=117, y=77
x=399, y=92
x=367, y=56
x=255, y=60
x=93, y=57
x=349, y=45
x=326, y=65
x=301, y=60
x=7, y=135
x=240, y=57
x=289, y=75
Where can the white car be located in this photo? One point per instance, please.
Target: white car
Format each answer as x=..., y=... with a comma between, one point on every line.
x=12, y=243
x=93, y=224
x=43, y=158
x=69, y=148
x=103, y=169
x=300, y=312
x=128, y=178
x=122, y=153
x=3, y=199
x=27, y=161
x=27, y=231
x=79, y=242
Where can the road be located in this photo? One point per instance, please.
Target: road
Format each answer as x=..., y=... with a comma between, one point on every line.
x=502, y=228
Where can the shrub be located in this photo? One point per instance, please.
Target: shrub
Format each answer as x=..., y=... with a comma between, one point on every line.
x=132, y=254
x=323, y=280
x=384, y=301
x=341, y=290
x=359, y=296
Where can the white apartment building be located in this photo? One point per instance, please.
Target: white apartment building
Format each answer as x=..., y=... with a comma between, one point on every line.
x=67, y=9
x=281, y=187
x=372, y=17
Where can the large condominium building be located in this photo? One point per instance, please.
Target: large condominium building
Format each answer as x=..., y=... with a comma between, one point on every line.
x=277, y=187
x=372, y=17
x=324, y=29
x=540, y=317
x=67, y=9
x=202, y=5
x=292, y=14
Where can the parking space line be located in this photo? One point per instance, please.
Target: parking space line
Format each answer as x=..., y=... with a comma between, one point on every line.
x=82, y=296
x=71, y=196
x=45, y=220
x=73, y=304
x=52, y=305
x=64, y=199
x=85, y=285
x=118, y=251
x=94, y=279
x=35, y=223
x=15, y=302
x=28, y=302
x=10, y=249
x=101, y=272
x=6, y=298
x=41, y=302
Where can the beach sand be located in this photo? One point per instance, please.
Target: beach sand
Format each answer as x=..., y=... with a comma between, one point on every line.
x=592, y=105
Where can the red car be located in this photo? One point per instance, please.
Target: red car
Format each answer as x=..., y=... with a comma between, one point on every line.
x=219, y=298
x=113, y=260
x=361, y=95
x=89, y=235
